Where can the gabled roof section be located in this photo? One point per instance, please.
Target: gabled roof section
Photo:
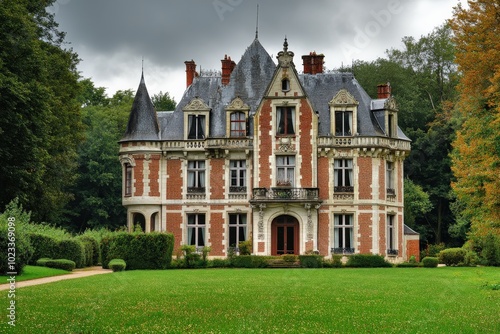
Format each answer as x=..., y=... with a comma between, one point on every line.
x=143, y=121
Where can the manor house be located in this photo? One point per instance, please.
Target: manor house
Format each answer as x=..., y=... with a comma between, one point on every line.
x=295, y=161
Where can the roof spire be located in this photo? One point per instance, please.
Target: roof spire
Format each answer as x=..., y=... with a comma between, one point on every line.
x=257, y=24
x=285, y=45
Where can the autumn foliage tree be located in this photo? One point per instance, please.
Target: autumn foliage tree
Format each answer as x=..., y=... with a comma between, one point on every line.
x=476, y=156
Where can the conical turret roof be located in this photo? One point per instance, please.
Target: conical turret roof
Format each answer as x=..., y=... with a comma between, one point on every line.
x=143, y=121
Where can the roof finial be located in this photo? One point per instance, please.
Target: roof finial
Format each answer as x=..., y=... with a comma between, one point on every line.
x=257, y=25
x=285, y=45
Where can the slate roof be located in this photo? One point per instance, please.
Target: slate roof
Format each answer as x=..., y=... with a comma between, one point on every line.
x=143, y=121
x=409, y=231
x=249, y=80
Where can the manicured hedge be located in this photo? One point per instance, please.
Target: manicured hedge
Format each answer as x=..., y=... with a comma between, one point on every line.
x=139, y=250
x=42, y=262
x=249, y=261
x=13, y=241
x=91, y=246
x=71, y=249
x=311, y=261
x=117, y=265
x=430, y=262
x=367, y=261
x=452, y=256
x=44, y=246
x=64, y=264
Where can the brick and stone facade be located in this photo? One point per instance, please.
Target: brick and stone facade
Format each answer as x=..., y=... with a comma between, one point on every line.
x=294, y=162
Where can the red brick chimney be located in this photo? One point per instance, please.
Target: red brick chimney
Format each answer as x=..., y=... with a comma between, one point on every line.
x=190, y=72
x=383, y=91
x=227, y=67
x=313, y=63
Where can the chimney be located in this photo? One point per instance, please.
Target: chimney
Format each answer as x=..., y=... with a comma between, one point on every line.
x=384, y=91
x=313, y=63
x=190, y=72
x=306, y=61
x=227, y=67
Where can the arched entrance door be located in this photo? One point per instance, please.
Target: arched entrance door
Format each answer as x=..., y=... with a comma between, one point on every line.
x=284, y=235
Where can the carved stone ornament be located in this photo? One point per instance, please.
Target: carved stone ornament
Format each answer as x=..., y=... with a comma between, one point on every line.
x=196, y=104
x=127, y=159
x=391, y=104
x=237, y=104
x=343, y=98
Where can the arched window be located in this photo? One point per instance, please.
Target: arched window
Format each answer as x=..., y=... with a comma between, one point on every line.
x=128, y=180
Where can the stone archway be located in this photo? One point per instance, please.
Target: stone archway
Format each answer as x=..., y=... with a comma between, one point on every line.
x=285, y=235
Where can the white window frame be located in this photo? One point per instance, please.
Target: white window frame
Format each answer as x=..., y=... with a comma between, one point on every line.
x=342, y=223
x=196, y=226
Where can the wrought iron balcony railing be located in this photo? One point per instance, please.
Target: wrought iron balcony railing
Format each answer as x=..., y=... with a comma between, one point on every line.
x=392, y=252
x=311, y=194
x=340, y=250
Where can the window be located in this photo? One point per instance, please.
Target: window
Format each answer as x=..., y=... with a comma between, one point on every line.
x=196, y=127
x=285, y=85
x=196, y=176
x=238, y=124
x=390, y=121
x=128, y=180
x=343, y=123
x=285, y=167
x=285, y=120
x=237, y=229
x=238, y=170
x=391, y=236
x=196, y=230
x=389, y=174
x=343, y=174
x=343, y=234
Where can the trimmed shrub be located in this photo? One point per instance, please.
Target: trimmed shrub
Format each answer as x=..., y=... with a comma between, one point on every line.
x=91, y=246
x=245, y=247
x=452, y=256
x=219, y=263
x=430, y=262
x=44, y=246
x=13, y=241
x=249, y=261
x=64, y=264
x=367, y=261
x=117, y=265
x=42, y=262
x=289, y=258
x=139, y=250
x=72, y=249
x=432, y=250
x=311, y=261
x=407, y=265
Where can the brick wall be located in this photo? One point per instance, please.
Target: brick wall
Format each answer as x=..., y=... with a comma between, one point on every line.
x=365, y=177
x=323, y=233
x=365, y=230
x=139, y=175
x=154, y=175
x=174, y=179
x=305, y=144
x=217, y=178
x=323, y=178
x=216, y=231
x=265, y=148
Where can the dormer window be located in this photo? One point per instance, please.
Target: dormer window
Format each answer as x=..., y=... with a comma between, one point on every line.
x=343, y=123
x=285, y=121
x=238, y=124
x=285, y=85
x=343, y=111
x=196, y=116
x=196, y=126
x=236, y=118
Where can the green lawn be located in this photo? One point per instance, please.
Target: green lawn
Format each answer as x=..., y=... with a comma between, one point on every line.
x=32, y=272
x=390, y=300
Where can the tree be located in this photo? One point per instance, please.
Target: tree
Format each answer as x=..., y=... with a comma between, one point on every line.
x=39, y=114
x=476, y=155
x=423, y=76
x=163, y=102
x=98, y=188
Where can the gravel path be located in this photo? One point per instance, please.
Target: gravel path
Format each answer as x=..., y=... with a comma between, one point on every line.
x=74, y=274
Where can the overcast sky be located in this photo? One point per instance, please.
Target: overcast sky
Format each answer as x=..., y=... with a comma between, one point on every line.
x=113, y=36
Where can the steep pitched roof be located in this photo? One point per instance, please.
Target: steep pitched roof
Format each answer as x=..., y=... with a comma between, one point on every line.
x=143, y=121
x=248, y=80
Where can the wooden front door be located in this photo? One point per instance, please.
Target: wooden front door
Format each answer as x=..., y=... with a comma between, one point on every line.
x=285, y=235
